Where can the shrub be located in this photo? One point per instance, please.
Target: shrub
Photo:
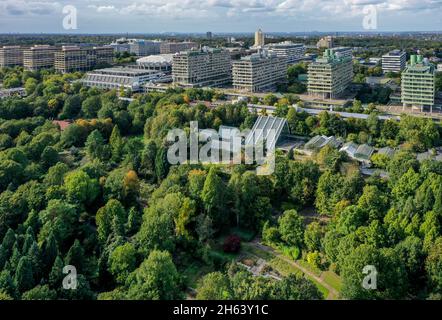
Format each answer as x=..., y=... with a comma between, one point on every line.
x=232, y=244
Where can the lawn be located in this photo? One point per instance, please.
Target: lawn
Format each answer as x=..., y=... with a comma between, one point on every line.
x=332, y=280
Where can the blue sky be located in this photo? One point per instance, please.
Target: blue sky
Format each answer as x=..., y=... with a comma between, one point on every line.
x=152, y=16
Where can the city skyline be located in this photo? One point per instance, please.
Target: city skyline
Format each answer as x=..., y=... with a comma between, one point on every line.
x=155, y=16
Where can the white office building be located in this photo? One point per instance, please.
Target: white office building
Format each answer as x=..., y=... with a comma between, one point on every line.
x=202, y=68
x=293, y=52
x=259, y=72
x=394, y=61
x=139, y=47
x=127, y=78
x=159, y=62
x=342, y=52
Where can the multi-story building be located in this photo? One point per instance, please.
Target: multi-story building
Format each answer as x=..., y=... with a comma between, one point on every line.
x=175, y=47
x=138, y=47
x=329, y=76
x=261, y=71
x=439, y=67
x=292, y=52
x=74, y=58
x=202, y=68
x=39, y=57
x=11, y=56
x=126, y=78
x=121, y=45
x=159, y=62
x=342, y=52
x=209, y=35
x=326, y=42
x=418, y=84
x=259, y=38
x=394, y=61
x=144, y=47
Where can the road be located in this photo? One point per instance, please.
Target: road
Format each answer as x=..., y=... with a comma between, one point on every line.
x=333, y=293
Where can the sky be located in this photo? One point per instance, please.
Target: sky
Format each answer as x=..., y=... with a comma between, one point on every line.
x=156, y=16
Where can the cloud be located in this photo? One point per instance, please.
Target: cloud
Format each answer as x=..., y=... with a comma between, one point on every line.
x=222, y=12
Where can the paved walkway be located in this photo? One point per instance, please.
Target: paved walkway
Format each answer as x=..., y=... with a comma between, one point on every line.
x=333, y=293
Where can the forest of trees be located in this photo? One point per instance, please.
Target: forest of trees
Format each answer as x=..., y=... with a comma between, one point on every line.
x=101, y=196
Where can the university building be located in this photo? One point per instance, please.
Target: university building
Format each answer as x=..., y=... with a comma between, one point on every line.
x=259, y=72
x=39, y=57
x=329, y=76
x=418, y=84
x=201, y=68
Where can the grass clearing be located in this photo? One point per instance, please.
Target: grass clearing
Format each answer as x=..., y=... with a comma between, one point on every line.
x=333, y=280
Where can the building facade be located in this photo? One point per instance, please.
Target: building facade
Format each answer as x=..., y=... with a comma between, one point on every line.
x=329, y=76
x=74, y=58
x=259, y=38
x=11, y=56
x=418, y=84
x=39, y=57
x=175, y=47
x=326, y=42
x=138, y=47
x=159, y=62
x=342, y=52
x=126, y=78
x=292, y=52
x=202, y=68
x=144, y=47
x=394, y=61
x=259, y=72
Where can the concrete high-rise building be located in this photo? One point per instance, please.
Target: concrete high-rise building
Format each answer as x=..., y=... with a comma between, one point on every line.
x=74, y=58
x=293, y=52
x=326, y=42
x=39, y=57
x=201, y=68
x=418, y=84
x=175, y=47
x=11, y=56
x=261, y=71
x=259, y=38
x=209, y=35
x=394, y=61
x=342, y=52
x=329, y=76
x=138, y=47
x=439, y=67
x=144, y=47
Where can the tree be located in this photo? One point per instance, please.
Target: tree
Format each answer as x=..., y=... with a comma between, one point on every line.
x=214, y=286
x=90, y=106
x=294, y=287
x=24, y=275
x=49, y=157
x=95, y=146
x=312, y=236
x=131, y=185
x=71, y=107
x=122, y=261
x=433, y=265
x=156, y=279
x=116, y=143
x=75, y=257
x=80, y=188
x=391, y=275
x=110, y=219
x=212, y=196
x=58, y=219
x=40, y=292
x=161, y=163
x=291, y=228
